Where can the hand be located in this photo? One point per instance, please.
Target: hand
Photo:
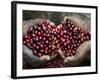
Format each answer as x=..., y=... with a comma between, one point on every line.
x=27, y=53
x=82, y=52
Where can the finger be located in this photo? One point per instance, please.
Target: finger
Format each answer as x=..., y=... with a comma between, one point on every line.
x=47, y=57
x=83, y=48
x=61, y=53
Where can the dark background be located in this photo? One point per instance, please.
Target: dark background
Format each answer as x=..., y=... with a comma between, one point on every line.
x=55, y=17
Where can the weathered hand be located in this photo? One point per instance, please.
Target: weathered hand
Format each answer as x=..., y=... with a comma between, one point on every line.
x=83, y=51
x=28, y=56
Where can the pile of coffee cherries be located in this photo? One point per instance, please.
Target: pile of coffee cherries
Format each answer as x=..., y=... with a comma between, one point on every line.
x=71, y=37
x=45, y=38
x=41, y=39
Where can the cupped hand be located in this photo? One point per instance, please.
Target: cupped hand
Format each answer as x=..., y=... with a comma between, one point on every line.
x=28, y=55
x=83, y=51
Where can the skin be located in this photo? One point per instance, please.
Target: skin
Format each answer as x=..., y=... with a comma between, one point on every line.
x=82, y=51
